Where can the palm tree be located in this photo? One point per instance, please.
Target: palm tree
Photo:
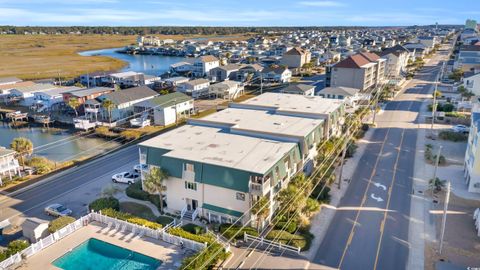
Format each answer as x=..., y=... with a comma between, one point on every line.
x=74, y=103
x=153, y=183
x=22, y=146
x=108, y=105
x=436, y=184
x=261, y=209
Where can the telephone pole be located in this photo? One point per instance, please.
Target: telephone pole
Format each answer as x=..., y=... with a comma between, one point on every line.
x=437, y=160
x=344, y=152
x=444, y=218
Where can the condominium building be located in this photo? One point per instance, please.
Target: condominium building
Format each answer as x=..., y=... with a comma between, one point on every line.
x=472, y=155
x=362, y=71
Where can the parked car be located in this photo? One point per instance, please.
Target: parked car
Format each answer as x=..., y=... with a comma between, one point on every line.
x=139, y=167
x=57, y=210
x=460, y=129
x=126, y=177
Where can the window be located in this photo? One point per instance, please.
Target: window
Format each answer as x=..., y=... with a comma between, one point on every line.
x=240, y=196
x=189, y=167
x=190, y=185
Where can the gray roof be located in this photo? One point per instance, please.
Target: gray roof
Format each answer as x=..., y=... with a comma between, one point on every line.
x=301, y=87
x=197, y=82
x=90, y=91
x=164, y=101
x=38, y=87
x=345, y=91
x=130, y=94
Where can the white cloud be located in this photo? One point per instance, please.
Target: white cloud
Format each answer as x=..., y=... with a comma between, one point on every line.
x=322, y=3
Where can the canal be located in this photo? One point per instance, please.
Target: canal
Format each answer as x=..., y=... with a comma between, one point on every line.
x=57, y=144
x=148, y=64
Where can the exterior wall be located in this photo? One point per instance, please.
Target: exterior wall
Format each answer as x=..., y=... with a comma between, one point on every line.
x=348, y=77
x=9, y=167
x=472, y=162
x=472, y=84
x=167, y=116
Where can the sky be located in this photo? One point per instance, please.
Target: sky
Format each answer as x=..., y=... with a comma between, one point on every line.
x=236, y=12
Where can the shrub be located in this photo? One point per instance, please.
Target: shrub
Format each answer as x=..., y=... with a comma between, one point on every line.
x=16, y=246
x=286, y=226
x=135, y=191
x=288, y=238
x=41, y=164
x=205, y=259
x=352, y=148
x=131, y=134
x=59, y=223
x=192, y=228
x=236, y=231
x=104, y=203
x=131, y=218
x=323, y=196
x=187, y=235
x=103, y=132
x=452, y=136
x=164, y=220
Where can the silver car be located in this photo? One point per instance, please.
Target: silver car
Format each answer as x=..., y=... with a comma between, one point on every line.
x=57, y=210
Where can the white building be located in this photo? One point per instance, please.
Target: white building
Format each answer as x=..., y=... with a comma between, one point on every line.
x=299, y=89
x=167, y=109
x=194, y=88
x=472, y=155
x=9, y=166
x=203, y=64
x=227, y=90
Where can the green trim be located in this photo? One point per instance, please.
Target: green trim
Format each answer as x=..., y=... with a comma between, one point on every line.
x=222, y=210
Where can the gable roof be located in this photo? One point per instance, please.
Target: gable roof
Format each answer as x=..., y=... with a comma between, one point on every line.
x=395, y=50
x=296, y=51
x=208, y=58
x=164, y=101
x=344, y=91
x=130, y=94
x=358, y=60
x=299, y=87
x=90, y=91
x=276, y=70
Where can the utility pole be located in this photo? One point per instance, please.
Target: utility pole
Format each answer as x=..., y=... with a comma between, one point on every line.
x=444, y=219
x=434, y=106
x=436, y=162
x=344, y=152
x=261, y=84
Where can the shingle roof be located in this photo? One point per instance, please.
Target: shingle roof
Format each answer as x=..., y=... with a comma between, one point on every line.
x=197, y=82
x=296, y=51
x=130, y=94
x=299, y=87
x=357, y=60
x=9, y=80
x=396, y=50
x=276, y=70
x=208, y=58
x=345, y=91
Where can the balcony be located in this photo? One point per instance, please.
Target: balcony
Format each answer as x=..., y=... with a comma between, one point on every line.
x=260, y=188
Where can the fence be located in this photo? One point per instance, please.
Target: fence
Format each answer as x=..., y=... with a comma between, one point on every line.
x=112, y=223
x=272, y=244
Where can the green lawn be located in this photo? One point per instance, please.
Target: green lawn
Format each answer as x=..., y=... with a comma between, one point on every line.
x=137, y=210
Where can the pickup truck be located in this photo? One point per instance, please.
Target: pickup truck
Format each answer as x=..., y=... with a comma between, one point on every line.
x=125, y=177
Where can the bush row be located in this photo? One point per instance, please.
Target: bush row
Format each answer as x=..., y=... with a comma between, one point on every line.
x=288, y=238
x=205, y=259
x=135, y=191
x=209, y=239
x=236, y=232
x=452, y=136
x=131, y=218
x=59, y=223
x=104, y=203
x=12, y=248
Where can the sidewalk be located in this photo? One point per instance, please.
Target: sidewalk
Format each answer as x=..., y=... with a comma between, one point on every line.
x=322, y=219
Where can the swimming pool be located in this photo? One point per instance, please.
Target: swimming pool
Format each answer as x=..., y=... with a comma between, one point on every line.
x=99, y=255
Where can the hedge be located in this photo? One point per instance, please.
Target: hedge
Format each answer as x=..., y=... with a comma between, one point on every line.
x=209, y=239
x=452, y=136
x=59, y=223
x=206, y=258
x=104, y=203
x=192, y=228
x=164, y=220
x=131, y=218
x=288, y=238
x=290, y=227
x=229, y=231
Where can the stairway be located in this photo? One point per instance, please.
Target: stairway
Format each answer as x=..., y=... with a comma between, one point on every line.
x=188, y=215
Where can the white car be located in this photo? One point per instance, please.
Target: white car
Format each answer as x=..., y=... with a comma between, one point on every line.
x=125, y=177
x=57, y=210
x=139, y=167
x=460, y=129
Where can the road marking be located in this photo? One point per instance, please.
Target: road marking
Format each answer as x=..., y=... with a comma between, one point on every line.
x=350, y=236
x=380, y=186
x=378, y=199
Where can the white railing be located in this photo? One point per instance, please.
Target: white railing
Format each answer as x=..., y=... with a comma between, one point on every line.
x=184, y=210
x=260, y=188
x=194, y=214
x=180, y=241
x=272, y=244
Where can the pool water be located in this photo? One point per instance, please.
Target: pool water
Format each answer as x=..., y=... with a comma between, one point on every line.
x=99, y=255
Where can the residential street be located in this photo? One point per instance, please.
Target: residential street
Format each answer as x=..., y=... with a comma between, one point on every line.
x=370, y=237
x=74, y=188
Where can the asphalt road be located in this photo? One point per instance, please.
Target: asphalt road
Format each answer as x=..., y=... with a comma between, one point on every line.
x=374, y=235
x=74, y=188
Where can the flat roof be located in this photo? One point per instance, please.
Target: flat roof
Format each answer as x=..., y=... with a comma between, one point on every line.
x=295, y=103
x=213, y=146
x=263, y=122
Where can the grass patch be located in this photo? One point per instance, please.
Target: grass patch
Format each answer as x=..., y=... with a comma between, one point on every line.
x=230, y=231
x=45, y=56
x=192, y=228
x=138, y=210
x=135, y=191
x=164, y=220
x=287, y=238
